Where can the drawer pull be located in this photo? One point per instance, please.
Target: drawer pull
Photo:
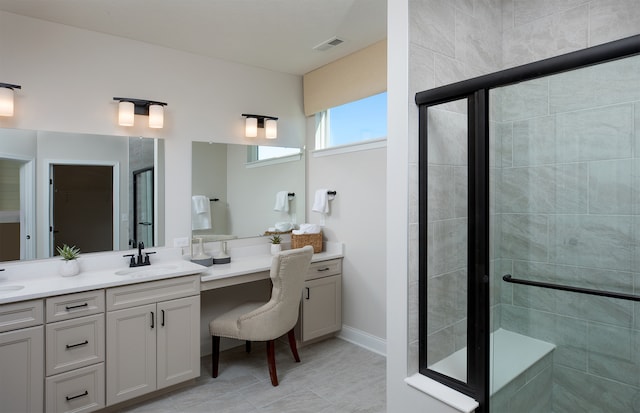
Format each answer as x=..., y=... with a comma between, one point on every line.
x=73, y=307
x=69, y=398
x=77, y=345
x=323, y=269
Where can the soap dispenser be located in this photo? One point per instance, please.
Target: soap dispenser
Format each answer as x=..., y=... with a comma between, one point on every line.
x=200, y=257
x=222, y=257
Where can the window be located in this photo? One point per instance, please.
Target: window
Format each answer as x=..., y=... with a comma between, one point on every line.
x=354, y=122
x=269, y=152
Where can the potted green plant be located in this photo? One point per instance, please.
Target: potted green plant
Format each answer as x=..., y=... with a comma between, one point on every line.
x=276, y=247
x=69, y=254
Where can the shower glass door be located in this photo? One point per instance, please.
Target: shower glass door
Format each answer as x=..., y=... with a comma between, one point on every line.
x=565, y=211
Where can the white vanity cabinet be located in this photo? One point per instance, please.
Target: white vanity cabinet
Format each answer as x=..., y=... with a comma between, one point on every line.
x=153, y=337
x=22, y=357
x=321, y=309
x=75, y=352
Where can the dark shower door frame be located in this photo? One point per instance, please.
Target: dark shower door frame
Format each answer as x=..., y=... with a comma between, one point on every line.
x=476, y=91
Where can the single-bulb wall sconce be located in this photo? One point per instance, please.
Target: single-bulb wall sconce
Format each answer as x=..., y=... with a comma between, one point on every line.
x=6, y=98
x=253, y=122
x=128, y=107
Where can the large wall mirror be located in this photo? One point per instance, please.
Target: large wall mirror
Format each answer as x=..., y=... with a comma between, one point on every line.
x=99, y=193
x=242, y=189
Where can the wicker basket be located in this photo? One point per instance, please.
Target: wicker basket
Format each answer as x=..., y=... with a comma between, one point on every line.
x=315, y=240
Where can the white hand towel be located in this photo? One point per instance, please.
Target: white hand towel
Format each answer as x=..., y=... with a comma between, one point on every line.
x=321, y=201
x=200, y=212
x=282, y=201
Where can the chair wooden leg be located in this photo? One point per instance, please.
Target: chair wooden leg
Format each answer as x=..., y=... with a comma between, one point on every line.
x=215, y=355
x=271, y=361
x=292, y=345
x=247, y=346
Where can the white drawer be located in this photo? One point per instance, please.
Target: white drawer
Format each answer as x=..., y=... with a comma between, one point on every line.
x=65, y=307
x=324, y=269
x=74, y=343
x=77, y=391
x=151, y=292
x=20, y=315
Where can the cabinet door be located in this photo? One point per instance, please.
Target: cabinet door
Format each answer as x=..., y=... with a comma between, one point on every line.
x=22, y=370
x=321, y=307
x=178, y=338
x=131, y=352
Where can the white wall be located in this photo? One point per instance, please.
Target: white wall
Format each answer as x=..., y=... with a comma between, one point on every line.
x=70, y=76
x=357, y=218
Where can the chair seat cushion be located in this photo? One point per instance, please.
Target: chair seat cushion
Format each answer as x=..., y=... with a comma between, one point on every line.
x=226, y=325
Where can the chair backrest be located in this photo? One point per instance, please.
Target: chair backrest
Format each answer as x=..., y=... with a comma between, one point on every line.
x=288, y=271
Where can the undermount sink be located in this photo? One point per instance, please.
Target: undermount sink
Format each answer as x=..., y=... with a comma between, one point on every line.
x=148, y=271
x=10, y=288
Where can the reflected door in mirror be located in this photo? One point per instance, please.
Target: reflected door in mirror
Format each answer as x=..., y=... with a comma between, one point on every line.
x=81, y=207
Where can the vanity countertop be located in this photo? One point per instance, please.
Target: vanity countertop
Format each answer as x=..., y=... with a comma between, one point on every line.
x=46, y=286
x=39, y=279
x=256, y=263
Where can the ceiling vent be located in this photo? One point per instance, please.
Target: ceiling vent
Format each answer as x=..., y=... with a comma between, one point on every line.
x=328, y=44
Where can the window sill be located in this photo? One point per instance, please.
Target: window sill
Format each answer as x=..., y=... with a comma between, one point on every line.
x=443, y=393
x=354, y=147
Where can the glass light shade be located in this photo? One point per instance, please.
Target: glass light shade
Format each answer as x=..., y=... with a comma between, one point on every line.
x=125, y=113
x=270, y=128
x=6, y=101
x=251, y=128
x=156, y=116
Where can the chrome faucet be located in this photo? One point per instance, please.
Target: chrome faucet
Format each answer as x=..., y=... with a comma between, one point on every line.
x=139, y=261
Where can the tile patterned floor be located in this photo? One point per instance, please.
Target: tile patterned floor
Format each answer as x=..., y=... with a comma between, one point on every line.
x=333, y=376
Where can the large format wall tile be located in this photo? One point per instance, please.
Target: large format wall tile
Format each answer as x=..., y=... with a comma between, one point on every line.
x=525, y=100
x=597, y=134
x=555, y=35
x=568, y=334
x=526, y=11
x=544, y=189
x=524, y=237
x=447, y=248
x=595, y=241
x=440, y=198
x=602, y=15
x=534, y=141
x=614, y=352
x=611, y=187
x=447, y=142
x=605, y=84
x=475, y=43
x=432, y=25
x=575, y=391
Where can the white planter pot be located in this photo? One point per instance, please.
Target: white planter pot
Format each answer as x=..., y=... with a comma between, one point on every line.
x=275, y=249
x=69, y=268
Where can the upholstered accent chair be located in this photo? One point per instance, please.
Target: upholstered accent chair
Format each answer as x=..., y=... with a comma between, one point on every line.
x=260, y=321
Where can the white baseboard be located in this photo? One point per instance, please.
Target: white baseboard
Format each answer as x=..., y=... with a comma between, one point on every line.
x=363, y=339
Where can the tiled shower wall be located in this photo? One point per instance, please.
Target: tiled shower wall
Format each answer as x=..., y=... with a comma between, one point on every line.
x=568, y=206
x=452, y=41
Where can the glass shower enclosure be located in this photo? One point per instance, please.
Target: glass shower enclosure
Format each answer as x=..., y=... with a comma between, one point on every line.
x=530, y=235
x=565, y=187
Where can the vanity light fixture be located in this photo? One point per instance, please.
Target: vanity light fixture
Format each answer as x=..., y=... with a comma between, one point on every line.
x=128, y=107
x=253, y=122
x=6, y=98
